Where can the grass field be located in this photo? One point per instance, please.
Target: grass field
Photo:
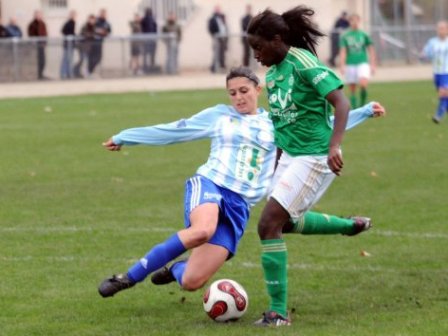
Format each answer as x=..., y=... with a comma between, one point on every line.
x=72, y=213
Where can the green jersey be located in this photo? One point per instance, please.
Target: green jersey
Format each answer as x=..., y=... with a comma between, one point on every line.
x=297, y=88
x=356, y=43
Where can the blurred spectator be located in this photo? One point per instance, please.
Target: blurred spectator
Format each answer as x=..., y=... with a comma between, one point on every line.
x=340, y=25
x=38, y=28
x=172, y=26
x=3, y=32
x=217, y=28
x=149, y=26
x=68, y=31
x=136, y=45
x=85, y=45
x=102, y=30
x=244, y=24
x=12, y=29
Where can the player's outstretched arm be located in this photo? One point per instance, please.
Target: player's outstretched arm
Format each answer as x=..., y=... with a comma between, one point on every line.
x=198, y=126
x=109, y=145
x=359, y=115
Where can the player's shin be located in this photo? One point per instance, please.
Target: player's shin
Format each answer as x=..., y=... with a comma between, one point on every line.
x=178, y=270
x=157, y=257
x=274, y=260
x=442, y=108
x=353, y=101
x=317, y=223
x=363, y=96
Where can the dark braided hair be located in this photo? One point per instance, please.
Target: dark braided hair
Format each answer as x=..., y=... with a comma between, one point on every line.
x=295, y=27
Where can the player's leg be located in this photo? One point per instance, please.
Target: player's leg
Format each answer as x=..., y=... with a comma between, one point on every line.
x=274, y=253
x=203, y=263
x=351, y=78
x=441, y=82
x=203, y=219
x=300, y=185
x=315, y=223
x=364, y=76
x=206, y=259
x=274, y=257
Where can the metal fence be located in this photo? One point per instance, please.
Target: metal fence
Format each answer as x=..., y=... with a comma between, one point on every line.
x=401, y=44
x=58, y=58
x=149, y=54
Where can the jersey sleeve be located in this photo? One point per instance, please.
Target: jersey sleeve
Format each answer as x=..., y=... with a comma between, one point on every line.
x=322, y=79
x=428, y=50
x=199, y=126
x=357, y=116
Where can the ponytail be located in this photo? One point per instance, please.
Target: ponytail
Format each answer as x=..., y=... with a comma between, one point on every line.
x=303, y=32
x=294, y=27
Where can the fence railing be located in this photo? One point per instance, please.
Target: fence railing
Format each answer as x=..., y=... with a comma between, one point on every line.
x=401, y=44
x=30, y=59
x=73, y=57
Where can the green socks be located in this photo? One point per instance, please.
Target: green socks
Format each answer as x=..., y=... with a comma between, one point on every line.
x=353, y=102
x=363, y=96
x=274, y=259
x=318, y=223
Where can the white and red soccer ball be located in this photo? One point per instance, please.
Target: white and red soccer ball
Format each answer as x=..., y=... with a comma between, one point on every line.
x=225, y=300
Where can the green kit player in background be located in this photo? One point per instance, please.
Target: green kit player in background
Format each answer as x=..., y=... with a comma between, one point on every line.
x=302, y=93
x=357, y=60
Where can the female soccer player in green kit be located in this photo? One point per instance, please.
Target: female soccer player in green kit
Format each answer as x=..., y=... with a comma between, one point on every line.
x=301, y=92
x=357, y=60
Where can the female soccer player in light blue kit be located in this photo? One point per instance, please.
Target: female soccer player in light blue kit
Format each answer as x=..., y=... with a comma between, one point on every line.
x=218, y=198
x=436, y=49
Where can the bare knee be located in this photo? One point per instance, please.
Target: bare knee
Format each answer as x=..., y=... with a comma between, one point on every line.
x=200, y=236
x=192, y=284
x=272, y=221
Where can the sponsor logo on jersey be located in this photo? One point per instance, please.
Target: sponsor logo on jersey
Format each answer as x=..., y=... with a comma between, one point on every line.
x=320, y=77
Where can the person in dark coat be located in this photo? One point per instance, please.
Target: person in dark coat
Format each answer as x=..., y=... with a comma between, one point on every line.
x=244, y=24
x=102, y=30
x=12, y=29
x=38, y=28
x=68, y=31
x=340, y=25
x=217, y=28
x=149, y=26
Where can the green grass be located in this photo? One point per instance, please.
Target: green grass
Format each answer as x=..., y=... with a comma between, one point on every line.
x=72, y=213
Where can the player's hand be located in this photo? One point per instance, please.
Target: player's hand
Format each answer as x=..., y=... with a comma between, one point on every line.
x=335, y=161
x=342, y=70
x=378, y=110
x=109, y=145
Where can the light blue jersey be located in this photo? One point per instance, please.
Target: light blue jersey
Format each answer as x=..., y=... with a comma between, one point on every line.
x=242, y=154
x=437, y=51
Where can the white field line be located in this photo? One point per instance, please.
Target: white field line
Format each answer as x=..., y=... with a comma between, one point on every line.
x=75, y=229
x=233, y=263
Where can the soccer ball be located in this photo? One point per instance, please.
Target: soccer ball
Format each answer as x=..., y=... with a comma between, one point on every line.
x=225, y=300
